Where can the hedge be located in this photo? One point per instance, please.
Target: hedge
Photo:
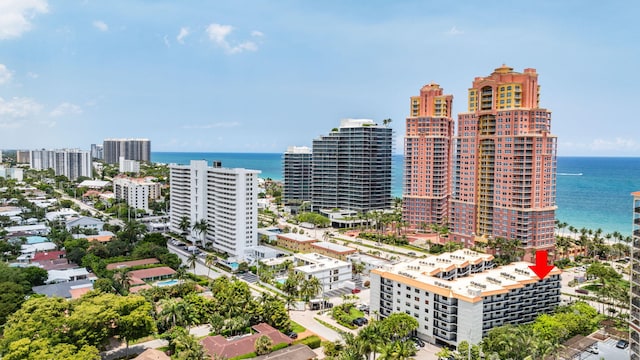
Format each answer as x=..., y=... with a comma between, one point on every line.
x=312, y=341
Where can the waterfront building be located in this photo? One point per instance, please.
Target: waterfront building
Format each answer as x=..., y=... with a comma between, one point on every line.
x=351, y=167
x=634, y=316
x=225, y=198
x=128, y=166
x=136, y=192
x=131, y=149
x=297, y=175
x=460, y=296
x=72, y=163
x=504, y=172
x=427, y=158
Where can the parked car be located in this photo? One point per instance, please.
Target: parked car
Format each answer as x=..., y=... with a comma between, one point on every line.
x=292, y=334
x=594, y=349
x=418, y=341
x=622, y=344
x=360, y=321
x=355, y=291
x=582, y=291
x=411, y=253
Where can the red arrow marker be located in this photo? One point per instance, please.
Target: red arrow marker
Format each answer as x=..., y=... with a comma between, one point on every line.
x=541, y=268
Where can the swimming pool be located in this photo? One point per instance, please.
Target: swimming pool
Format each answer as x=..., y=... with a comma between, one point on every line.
x=36, y=239
x=167, y=282
x=281, y=281
x=233, y=265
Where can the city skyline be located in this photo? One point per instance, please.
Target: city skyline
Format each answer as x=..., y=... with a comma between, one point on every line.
x=257, y=76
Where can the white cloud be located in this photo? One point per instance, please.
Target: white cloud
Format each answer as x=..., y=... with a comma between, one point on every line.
x=13, y=112
x=101, y=25
x=615, y=144
x=5, y=74
x=16, y=16
x=166, y=41
x=184, y=32
x=213, y=125
x=256, y=33
x=66, y=109
x=454, y=31
x=32, y=75
x=218, y=35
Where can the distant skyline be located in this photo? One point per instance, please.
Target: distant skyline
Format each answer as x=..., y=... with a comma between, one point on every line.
x=258, y=76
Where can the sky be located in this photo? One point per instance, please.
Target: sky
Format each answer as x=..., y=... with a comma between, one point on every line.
x=258, y=76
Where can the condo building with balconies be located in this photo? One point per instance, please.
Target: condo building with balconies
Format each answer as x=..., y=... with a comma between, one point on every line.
x=130, y=149
x=460, y=296
x=225, y=198
x=634, y=318
x=351, y=167
x=504, y=170
x=296, y=168
x=427, y=158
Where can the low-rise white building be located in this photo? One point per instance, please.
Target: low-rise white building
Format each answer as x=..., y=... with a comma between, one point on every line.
x=84, y=222
x=58, y=276
x=460, y=296
x=332, y=273
x=370, y=262
x=62, y=214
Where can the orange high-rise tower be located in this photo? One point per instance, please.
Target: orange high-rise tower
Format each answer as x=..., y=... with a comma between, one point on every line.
x=504, y=172
x=427, y=158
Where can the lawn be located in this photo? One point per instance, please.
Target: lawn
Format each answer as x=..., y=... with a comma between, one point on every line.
x=297, y=328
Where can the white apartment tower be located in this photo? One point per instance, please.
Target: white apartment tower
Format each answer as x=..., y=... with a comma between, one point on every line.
x=136, y=192
x=71, y=163
x=460, y=296
x=225, y=198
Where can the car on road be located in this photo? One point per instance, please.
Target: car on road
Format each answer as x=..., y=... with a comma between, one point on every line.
x=594, y=349
x=622, y=344
x=411, y=253
x=355, y=291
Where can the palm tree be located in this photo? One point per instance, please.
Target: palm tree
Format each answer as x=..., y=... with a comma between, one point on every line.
x=200, y=228
x=192, y=261
x=209, y=261
x=310, y=288
x=386, y=122
x=184, y=224
x=122, y=279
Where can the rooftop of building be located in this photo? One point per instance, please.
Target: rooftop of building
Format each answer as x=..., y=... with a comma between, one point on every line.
x=350, y=123
x=152, y=272
x=316, y=261
x=296, y=237
x=334, y=247
x=218, y=345
x=127, y=264
x=298, y=150
x=420, y=273
x=94, y=183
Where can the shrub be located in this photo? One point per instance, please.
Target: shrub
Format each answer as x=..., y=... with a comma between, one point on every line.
x=312, y=341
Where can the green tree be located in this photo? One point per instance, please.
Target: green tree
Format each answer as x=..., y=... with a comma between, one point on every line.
x=35, y=276
x=184, y=224
x=11, y=297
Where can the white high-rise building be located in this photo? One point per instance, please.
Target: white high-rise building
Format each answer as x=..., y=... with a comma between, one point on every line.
x=136, y=191
x=128, y=166
x=226, y=198
x=71, y=163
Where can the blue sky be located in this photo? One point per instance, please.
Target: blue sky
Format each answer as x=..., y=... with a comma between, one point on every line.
x=258, y=76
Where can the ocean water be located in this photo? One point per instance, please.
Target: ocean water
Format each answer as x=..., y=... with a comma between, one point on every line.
x=592, y=192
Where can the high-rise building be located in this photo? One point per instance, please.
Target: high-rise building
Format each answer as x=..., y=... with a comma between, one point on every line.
x=71, y=163
x=131, y=149
x=634, y=316
x=297, y=174
x=22, y=156
x=460, y=296
x=351, y=167
x=97, y=151
x=504, y=173
x=226, y=198
x=128, y=166
x=427, y=158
